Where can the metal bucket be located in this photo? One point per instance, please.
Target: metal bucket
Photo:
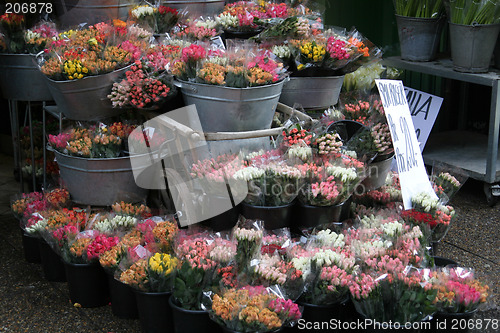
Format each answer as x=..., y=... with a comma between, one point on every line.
x=196, y=8
x=71, y=13
x=312, y=92
x=419, y=37
x=472, y=46
x=376, y=174
x=99, y=182
x=20, y=78
x=86, y=99
x=227, y=109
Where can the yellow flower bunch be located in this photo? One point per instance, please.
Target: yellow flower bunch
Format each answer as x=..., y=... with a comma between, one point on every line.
x=74, y=69
x=313, y=51
x=162, y=264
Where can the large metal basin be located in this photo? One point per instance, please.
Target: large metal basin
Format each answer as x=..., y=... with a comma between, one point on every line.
x=100, y=182
x=196, y=8
x=21, y=80
x=312, y=92
x=227, y=109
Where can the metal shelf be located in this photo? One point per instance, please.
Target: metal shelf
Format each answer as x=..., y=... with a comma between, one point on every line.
x=478, y=155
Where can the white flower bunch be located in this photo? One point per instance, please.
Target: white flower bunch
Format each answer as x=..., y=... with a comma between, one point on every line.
x=122, y=222
x=329, y=238
x=223, y=61
x=303, y=264
x=372, y=220
x=344, y=174
x=364, y=77
x=248, y=234
x=414, y=233
x=303, y=27
x=139, y=32
x=37, y=227
x=248, y=173
x=141, y=11
x=426, y=202
x=370, y=249
x=266, y=268
x=392, y=229
x=208, y=23
x=302, y=152
x=227, y=21
x=283, y=170
x=223, y=251
x=281, y=51
x=326, y=258
x=29, y=34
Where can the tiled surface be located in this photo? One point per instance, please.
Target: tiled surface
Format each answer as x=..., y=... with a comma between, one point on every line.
x=29, y=303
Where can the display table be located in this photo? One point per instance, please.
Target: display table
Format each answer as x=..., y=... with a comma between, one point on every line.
x=473, y=152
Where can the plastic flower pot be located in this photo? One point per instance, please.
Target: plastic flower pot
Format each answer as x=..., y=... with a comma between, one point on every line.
x=274, y=217
x=308, y=216
x=31, y=248
x=191, y=320
x=123, y=302
x=52, y=265
x=87, y=284
x=155, y=313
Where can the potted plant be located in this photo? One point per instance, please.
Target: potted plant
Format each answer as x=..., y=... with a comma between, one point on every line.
x=420, y=24
x=474, y=27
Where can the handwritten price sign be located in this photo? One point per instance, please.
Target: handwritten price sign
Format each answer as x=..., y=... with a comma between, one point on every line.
x=412, y=174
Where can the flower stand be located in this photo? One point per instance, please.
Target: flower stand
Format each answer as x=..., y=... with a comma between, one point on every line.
x=155, y=313
x=123, y=303
x=52, y=265
x=87, y=284
x=191, y=320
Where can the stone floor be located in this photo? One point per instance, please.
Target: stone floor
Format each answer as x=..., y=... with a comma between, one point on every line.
x=29, y=303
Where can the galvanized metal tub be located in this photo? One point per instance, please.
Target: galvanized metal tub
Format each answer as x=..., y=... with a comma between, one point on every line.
x=419, y=37
x=312, y=92
x=71, y=13
x=20, y=78
x=472, y=46
x=86, y=99
x=227, y=109
x=377, y=172
x=99, y=182
x=196, y=8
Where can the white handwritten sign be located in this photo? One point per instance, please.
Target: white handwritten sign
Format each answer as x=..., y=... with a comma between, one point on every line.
x=412, y=174
x=424, y=109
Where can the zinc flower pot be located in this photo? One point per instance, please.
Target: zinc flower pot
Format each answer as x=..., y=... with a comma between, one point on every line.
x=419, y=37
x=52, y=264
x=312, y=92
x=274, y=217
x=87, y=284
x=20, y=78
x=31, y=248
x=100, y=181
x=155, y=313
x=86, y=99
x=472, y=46
x=123, y=302
x=377, y=173
x=228, y=109
x=191, y=320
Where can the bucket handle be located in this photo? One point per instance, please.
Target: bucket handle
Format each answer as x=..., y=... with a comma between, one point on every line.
x=182, y=85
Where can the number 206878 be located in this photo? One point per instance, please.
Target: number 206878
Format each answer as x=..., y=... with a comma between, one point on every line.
x=28, y=7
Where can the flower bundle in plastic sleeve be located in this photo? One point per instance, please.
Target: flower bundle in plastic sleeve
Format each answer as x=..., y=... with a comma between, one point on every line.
x=132, y=269
x=203, y=29
x=393, y=291
x=430, y=214
x=247, y=234
x=87, y=246
x=93, y=50
x=386, y=195
x=253, y=309
x=158, y=18
x=143, y=87
x=447, y=180
x=459, y=290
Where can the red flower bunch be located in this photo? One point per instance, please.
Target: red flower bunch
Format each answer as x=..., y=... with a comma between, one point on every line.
x=296, y=135
x=99, y=245
x=57, y=197
x=193, y=53
x=336, y=48
x=417, y=217
x=167, y=10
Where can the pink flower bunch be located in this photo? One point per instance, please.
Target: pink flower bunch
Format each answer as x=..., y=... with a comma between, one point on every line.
x=134, y=50
x=63, y=233
x=195, y=250
x=276, y=10
x=324, y=193
x=361, y=286
x=193, y=53
x=267, y=64
x=197, y=32
x=285, y=309
x=217, y=169
x=99, y=245
x=59, y=141
x=36, y=206
x=336, y=48
x=335, y=276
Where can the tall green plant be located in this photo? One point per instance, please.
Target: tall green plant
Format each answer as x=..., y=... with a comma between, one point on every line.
x=469, y=12
x=419, y=8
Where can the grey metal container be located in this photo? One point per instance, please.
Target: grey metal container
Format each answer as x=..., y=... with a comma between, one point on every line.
x=227, y=109
x=20, y=78
x=312, y=92
x=472, y=46
x=196, y=8
x=419, y=37
x=86, y=99
x=376, y=174
x=71, y=13
x=99, y=182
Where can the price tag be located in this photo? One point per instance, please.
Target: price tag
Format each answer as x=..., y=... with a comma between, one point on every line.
x=412, y=174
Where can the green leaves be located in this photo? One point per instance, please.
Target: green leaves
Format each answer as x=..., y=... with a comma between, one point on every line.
x=188, y=286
